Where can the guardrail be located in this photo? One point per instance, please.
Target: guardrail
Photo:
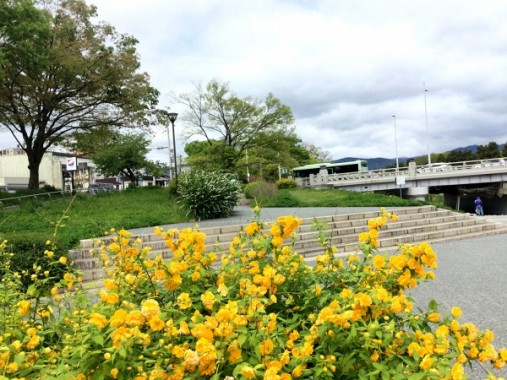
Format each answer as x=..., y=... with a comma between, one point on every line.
x=410, y=172
x=17, y=199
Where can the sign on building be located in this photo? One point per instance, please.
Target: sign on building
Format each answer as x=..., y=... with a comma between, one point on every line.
x=71, y=163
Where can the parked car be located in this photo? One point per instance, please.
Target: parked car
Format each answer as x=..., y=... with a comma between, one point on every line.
x=95, y=188
x=433, y=168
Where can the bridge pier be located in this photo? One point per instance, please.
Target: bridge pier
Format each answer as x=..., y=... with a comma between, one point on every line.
x=417, y=193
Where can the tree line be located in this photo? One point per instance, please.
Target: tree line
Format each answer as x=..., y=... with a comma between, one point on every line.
x=490, y=150
x=67, y=80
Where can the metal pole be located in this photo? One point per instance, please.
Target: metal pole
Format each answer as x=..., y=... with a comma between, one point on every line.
x=174, y=152
x=169, y=153
x=396, y=144
x=427, y=130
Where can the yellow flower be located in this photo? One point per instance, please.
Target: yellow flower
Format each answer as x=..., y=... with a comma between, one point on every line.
x=248, y=372
x=114, y=373
x=119, y=317
x=184, y=301
x=208, y=299
x=364, y=237
x=33, y=342
x=379, y=261
x=150, y=308
x=234, y=353
x=434, y=317
x=191, y=358
x=24, y=307
x=135, y=318
x=222, y=290
x=456, y=312
x=156, y=323
x=426, y=363
x=98, y=320
x=62, y=260
x=266, y=347
x=298, y=371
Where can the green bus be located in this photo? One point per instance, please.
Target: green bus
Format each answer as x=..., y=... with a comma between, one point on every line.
x=356, y=166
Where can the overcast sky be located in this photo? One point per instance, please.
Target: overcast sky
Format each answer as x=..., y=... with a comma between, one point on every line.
x=345, y=67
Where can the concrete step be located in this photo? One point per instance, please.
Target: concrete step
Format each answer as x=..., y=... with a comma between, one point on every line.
x=414, y=225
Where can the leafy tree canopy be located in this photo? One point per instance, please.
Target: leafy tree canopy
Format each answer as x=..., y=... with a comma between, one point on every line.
x=116, y=153
x=60, y=72
x=231, y=125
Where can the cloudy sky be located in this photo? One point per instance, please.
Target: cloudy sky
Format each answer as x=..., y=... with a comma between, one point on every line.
x=345, y=67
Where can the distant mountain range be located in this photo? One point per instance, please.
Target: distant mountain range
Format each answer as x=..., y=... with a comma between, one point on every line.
x=380, y=162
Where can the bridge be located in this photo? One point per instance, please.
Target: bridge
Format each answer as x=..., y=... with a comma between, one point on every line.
x=458, y=181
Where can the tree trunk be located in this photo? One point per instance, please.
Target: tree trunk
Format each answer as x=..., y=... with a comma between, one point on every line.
x=34, y=159
x=33, y=182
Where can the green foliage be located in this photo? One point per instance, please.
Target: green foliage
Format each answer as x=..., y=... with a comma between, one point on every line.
x=172, y=188
x=286, y=183
x=335, y=198
x=89, y=216
x=214, y=110
x=29, y=254
x=207, y=195
x=262, y=311
x=261, y=191
x=283, y=198
x=122, y=153
x=62, y=72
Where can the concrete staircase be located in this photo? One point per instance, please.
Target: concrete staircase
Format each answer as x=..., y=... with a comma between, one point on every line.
x=414, y=225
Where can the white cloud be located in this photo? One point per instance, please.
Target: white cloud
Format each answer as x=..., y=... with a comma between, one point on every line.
x=344, y=67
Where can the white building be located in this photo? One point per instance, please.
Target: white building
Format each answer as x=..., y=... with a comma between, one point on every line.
x=60, y=170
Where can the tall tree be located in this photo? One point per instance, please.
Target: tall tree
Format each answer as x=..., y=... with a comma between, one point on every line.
x=124, y=154
x=215, y=114
x=60, y=72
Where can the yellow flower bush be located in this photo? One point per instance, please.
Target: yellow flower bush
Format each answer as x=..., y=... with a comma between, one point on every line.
x=258, y=312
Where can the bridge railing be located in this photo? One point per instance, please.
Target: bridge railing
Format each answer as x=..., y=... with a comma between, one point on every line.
x=410, y=172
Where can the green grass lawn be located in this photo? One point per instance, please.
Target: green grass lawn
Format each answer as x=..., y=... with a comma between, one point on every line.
x=334, y=198
x=88, y=216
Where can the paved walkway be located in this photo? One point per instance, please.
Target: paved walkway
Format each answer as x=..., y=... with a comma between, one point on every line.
x=471, y=274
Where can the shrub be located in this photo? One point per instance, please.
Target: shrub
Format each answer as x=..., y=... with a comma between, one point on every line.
x=282, y=199
x=264, y=313
x=208, y=195
x=260, y=191
x=29, y=254
x=286, y=183
x=249, y=188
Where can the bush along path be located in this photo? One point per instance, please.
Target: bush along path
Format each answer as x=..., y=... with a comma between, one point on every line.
x=262, y=313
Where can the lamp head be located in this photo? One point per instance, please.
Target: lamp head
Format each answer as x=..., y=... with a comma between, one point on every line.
x=172, y=116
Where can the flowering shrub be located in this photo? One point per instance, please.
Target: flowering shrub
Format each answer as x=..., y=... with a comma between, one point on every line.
x=286, y=183
x=207, y=195
x=257, y=311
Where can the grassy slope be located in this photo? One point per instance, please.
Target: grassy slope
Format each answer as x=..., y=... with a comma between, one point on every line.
x=90, y=215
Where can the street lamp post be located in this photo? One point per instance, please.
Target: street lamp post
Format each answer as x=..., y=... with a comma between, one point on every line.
x=172, y=117
x=169, y=153
x=427, y=130
x=396, y=144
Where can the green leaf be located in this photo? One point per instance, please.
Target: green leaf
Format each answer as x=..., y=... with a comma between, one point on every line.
x=98, y=339
x=417, y=376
